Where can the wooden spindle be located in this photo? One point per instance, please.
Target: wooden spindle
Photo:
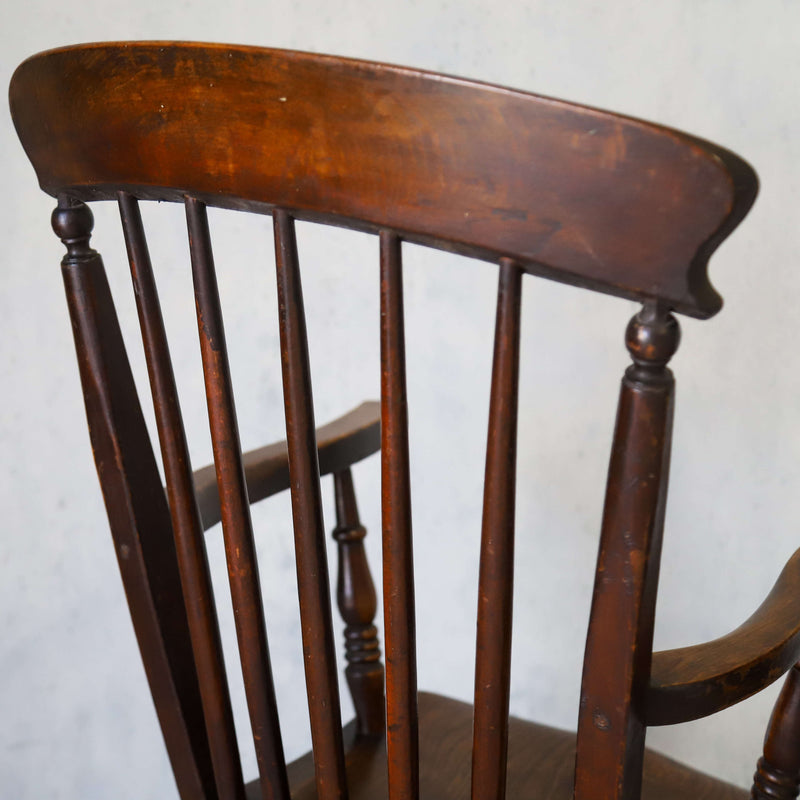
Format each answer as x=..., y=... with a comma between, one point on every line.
x=355, y=593
x=616, y=668
x=188, y=530
x=309, y=531
x=496, y=583
x=237, y=526
x=778, y=774
x=137, y=508
x=402, y=724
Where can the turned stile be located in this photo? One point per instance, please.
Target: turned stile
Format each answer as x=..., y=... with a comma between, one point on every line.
x=616, y=669
x=355, y=593
x=777, y=776
x=137, y=508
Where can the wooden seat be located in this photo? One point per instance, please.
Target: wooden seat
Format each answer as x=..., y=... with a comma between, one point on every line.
x=541, y=763
x=535, y=186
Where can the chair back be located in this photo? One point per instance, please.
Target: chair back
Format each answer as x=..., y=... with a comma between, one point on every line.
x=534, y=185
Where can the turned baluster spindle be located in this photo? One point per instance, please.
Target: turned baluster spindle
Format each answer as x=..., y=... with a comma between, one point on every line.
x=778, y=774
x=355, y=593
x=611, y=727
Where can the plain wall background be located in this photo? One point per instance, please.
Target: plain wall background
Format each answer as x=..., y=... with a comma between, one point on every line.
x=76, y=720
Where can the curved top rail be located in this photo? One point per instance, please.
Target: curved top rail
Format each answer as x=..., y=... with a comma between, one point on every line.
x=576, y=194
x=692, y=682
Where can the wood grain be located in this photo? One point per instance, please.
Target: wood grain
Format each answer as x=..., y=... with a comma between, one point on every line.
x=496, y=579
x=778, y=773
x=402, y=734
x=573, y=193
x=198, y=594
x=340, y=443
x=358, y=603
x=313, y=583
x=541, y=761
x=535, y=185
x=692, y=682
x=137, y=507
x=237, y=526
x=616, y=665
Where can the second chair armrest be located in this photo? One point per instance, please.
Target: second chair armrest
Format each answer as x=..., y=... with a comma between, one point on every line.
x=693, y=682
x=343, y=442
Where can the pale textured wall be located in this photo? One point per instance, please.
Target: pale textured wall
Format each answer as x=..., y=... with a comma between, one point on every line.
x=75, y=717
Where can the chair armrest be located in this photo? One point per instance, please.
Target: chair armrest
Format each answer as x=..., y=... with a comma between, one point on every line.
x=692, y=682
x=343, y=442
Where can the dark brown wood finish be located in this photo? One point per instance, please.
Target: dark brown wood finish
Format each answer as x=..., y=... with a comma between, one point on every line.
x=616, y=667
x=358, y=603
x=479, y=169
x=692, y=682
x=341, y=443
x=236, y=523
x=313, y=584
x=778, y=774
x=541, y=762
x=496, y=582
x=188, y=531
x=137, y=508
x=535, y=185
x=402, y=734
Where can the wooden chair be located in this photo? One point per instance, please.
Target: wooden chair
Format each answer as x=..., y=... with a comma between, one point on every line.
x=534, y=185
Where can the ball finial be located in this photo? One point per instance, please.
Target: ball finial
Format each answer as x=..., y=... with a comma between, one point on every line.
x=73, y=222
x=652, y=338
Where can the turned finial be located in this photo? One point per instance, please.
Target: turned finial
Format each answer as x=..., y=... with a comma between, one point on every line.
x=72, y=222
x=652, y=337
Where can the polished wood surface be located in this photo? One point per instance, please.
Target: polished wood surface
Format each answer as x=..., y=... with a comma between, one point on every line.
x=534, y=185
x=342, y=442
x=496, y=578
x=480, y=169
x=691, y=682
x=136, y=505
x=541, y=762
x=616, y=666
x=778, y=774
x=237, y=526
x=358, y=603
x=313, y=584
x=187, y=528
x=399, y=612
